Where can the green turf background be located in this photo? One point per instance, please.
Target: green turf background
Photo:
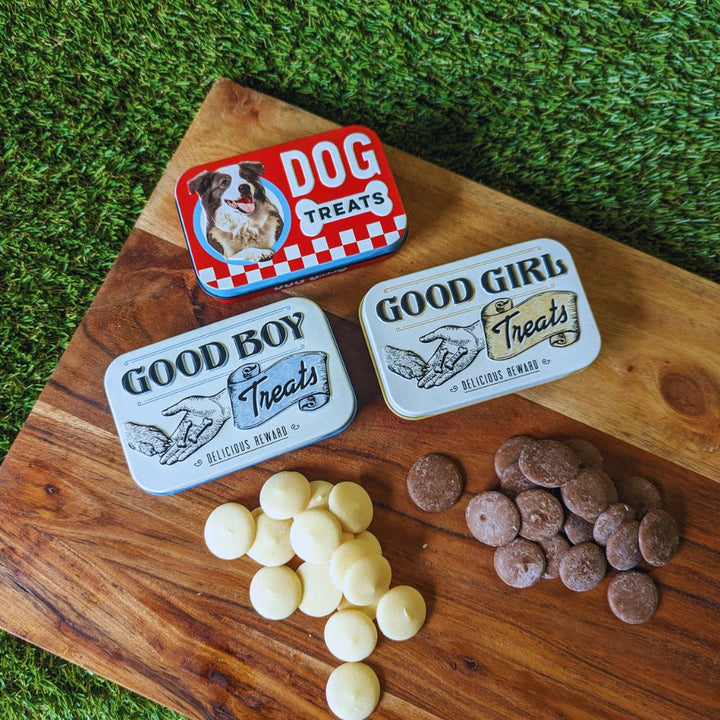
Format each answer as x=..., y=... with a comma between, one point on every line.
x=605, y=113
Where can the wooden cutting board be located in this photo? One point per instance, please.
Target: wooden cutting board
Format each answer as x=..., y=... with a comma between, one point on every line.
x=120, y=582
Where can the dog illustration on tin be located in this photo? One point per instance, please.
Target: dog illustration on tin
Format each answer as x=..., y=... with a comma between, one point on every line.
x=242, y=223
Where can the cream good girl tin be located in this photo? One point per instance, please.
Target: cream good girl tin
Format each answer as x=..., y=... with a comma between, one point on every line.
x=289, y=213
x=479, y=328
x=229, y=395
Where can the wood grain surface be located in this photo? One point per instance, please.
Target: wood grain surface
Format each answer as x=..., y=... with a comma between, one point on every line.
x=119, y=581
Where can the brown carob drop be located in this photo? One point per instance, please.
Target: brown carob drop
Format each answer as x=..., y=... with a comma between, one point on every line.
x=549, y=463
x=588, y=454
x=610, y=520
x=632, y=597
x=586, y=494
x=610, y=488
x=622, y=549
x=554, y=548
x=492, y=518
x=640, y=494
x=508, y=452
x=577, y=529
x=513, y=482
x=541, y=514
x=435, y=483
x=658, y=538
x=582, y=567
x=520, y=563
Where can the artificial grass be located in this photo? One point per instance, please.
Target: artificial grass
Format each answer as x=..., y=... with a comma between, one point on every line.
x=38, y=686
x=604, y=113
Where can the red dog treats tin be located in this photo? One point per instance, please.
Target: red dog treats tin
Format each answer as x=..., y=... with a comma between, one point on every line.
x=479, y=328
x=289, y=213
x=227, y=396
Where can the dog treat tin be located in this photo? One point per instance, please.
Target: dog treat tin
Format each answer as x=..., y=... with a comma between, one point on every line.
x=289, y=213
x=478, y=328
x=229, y=395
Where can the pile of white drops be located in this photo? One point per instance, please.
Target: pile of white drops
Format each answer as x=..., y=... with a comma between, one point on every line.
x=344, y=574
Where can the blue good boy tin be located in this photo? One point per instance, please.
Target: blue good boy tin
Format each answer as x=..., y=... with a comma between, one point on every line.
x=227, y=396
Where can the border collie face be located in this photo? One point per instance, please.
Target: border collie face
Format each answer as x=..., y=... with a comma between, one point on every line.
x=241, y=222
x=234, y=188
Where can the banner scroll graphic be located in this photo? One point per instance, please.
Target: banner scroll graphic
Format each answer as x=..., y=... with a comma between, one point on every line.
x=513, y=329
x=258, y=395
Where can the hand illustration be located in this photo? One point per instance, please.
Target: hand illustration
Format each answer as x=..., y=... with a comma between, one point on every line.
x=459, y=346
x=405, y=362
x=202, y=421
x=146, y=439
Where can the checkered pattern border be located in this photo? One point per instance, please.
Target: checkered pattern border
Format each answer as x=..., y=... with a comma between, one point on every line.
x=322, y=250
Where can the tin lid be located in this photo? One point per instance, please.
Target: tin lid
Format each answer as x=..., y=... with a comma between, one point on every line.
x=291, y=212
x=478, y=328
x=227, y=396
